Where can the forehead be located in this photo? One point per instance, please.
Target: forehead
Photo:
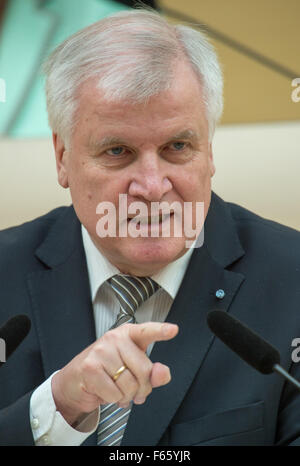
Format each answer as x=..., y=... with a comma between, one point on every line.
x=179, y=108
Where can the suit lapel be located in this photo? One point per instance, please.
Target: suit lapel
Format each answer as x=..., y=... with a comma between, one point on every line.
x=186, y=352
x=60, y=295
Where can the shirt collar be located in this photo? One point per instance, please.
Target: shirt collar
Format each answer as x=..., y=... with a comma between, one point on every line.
x=100, y=269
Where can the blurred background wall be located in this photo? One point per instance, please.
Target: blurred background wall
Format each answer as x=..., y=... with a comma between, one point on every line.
x=257, y=145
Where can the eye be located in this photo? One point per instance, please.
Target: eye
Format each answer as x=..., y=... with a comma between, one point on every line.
x=177, y=146
x=118, y=150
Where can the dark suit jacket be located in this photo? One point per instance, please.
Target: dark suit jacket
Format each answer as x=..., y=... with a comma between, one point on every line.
x=214, y=397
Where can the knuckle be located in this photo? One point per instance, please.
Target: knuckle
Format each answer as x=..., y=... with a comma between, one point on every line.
x=114, y=336
x=145, y=390
x=109, y=337
x=88, y=365
x=141, y=395
x=101, y=350
x=125, y=328
x=133, y=386
x=145, y=371
x=129, y=386
x=90, y=388
x=148, y=390
x=114, y=398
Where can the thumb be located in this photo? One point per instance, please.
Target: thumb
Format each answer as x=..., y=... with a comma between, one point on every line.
x=160, y=375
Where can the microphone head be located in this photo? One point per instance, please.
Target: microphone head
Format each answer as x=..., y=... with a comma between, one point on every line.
x=14, y=331
x=247, y=344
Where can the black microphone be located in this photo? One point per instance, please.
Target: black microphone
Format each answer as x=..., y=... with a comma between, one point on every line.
x=252, y=348
x=12, y=333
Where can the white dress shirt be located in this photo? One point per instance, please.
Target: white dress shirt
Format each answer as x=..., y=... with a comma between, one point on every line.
x=48, y=425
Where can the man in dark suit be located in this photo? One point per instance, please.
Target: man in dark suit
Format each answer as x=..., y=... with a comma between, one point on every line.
x=143, y=98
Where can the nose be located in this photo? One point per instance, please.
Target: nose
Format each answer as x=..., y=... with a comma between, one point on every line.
x=149, y=181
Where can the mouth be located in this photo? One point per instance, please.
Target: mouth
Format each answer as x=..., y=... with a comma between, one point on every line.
x=150, y=220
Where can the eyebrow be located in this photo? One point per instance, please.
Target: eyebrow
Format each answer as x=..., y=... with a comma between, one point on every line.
x=107, y=141
x=116, y=141
x=186, y=134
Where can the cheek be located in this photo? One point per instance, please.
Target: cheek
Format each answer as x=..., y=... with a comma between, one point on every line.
x=85, y=180
x=94, y=186
x=84, y=189
x=195, y=182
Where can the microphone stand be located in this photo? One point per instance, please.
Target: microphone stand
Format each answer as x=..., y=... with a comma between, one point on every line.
x=281, y=371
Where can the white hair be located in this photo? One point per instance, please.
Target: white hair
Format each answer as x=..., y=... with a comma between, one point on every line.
x=132, y=54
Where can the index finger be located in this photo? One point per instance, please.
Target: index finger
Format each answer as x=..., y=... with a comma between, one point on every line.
x=145, y=334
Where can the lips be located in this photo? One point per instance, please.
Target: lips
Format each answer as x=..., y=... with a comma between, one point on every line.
x=150, y=220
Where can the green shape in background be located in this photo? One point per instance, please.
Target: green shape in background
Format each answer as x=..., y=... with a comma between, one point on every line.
x=31, y=30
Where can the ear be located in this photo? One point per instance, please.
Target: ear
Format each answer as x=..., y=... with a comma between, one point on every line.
x=61, y=160
x=211, y=161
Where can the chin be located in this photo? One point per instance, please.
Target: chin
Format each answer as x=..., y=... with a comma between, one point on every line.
x=149, y=255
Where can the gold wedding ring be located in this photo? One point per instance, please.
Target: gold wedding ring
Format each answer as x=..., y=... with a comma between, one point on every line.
x=119, y=372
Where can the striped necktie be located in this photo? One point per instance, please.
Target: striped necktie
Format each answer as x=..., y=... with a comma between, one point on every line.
x=131, y=293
